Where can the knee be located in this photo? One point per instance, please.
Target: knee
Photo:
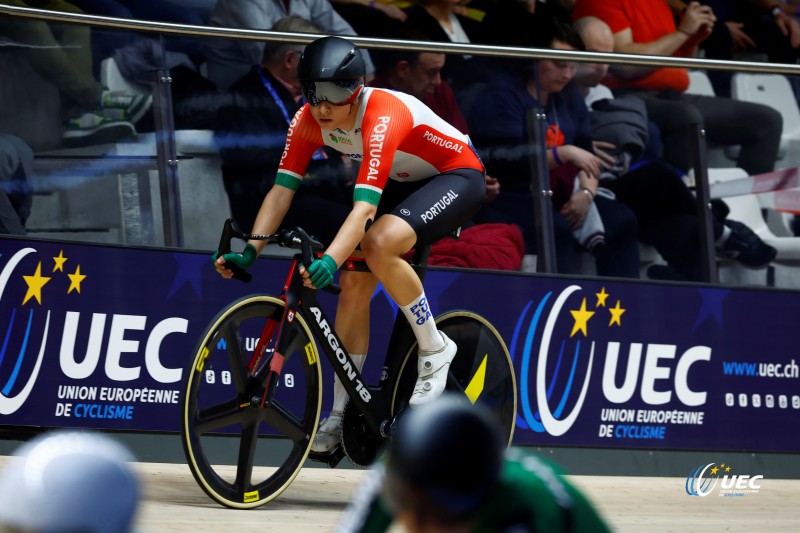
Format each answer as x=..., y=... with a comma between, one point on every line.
x=374, y=243
x=354, y=286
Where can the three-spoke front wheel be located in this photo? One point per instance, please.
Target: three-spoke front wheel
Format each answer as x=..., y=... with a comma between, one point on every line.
x=244, y=452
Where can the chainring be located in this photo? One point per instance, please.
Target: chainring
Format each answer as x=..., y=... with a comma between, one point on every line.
x=359, y=443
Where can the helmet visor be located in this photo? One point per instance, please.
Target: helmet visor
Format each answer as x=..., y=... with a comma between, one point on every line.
x=339, y=92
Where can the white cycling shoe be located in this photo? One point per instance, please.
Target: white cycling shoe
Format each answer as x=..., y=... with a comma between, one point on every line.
x=329, y=433
x=432, y=369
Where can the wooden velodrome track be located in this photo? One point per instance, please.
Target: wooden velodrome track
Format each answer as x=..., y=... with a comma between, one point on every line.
x=172, y=501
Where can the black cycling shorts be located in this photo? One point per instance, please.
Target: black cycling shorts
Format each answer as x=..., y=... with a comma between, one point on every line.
x=436, y=206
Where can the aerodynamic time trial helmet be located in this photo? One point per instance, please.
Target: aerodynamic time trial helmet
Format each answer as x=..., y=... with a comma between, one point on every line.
x=443, y=460
x=332, y=70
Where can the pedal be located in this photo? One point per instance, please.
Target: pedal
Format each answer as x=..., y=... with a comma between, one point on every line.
x=331, y=458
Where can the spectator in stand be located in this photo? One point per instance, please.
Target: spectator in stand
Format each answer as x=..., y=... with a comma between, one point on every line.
x=497, y=120
x=666, y=210
x=106, y=41
x=647, y=27
x=93, y=114
x=503, y=16
x=251, y=134
x=371, y=18
x=419, y=74
x=440, y=19
x=229, y=59
x=69, y=482
x=760, y=26
x=748, y=27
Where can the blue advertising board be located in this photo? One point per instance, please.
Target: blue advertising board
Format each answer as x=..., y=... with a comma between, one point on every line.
x=98, y=337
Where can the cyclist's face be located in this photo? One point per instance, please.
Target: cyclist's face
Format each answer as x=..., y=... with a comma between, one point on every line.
x=330, y=116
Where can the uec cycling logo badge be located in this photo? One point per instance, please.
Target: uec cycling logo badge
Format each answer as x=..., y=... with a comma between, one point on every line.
x=560, y=383
x=18, y=371
x=702, y=481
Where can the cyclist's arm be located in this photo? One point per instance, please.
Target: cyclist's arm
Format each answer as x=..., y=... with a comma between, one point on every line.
x=270, y=215
x=352, y=231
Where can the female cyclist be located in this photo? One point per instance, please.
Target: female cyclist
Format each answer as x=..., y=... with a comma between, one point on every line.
x=419, y=179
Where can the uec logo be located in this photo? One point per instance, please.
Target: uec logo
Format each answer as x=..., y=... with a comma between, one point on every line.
x=561, y=385
x=702, y=480
x=550, y=420
x=10, y=404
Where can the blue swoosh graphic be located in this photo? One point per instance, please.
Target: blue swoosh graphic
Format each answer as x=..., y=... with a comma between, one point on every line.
x=517, y=330
x=8, y=335
x=521, y=423
x=692, y=476
x=22, y=350
x=526, y=363
x=568, y=388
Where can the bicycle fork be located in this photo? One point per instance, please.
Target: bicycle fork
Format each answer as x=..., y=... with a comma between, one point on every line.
x=274, y=367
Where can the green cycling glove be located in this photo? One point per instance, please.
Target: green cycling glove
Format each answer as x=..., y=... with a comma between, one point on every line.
x=243, y=260
x=321, y=271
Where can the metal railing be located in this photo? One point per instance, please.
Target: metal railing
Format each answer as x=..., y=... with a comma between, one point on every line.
x=395, y=44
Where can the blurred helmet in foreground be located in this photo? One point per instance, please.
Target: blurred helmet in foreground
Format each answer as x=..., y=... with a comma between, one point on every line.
x=444, y=459
x=69, y=482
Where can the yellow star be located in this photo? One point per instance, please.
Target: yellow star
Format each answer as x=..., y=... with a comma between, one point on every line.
x=714, y=471
x=60, y=260
x=601, y=297
x=581, y=317
x=727, y=469
x=722, y=465
x=616, y=315
x=35, y=284
x=75, y=280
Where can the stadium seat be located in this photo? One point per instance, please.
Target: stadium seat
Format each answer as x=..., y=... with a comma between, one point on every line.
x=747, y=209
x=774, y=90
x=112, y=78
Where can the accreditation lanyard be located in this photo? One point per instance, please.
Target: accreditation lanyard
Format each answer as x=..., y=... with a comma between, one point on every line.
x=320, y=153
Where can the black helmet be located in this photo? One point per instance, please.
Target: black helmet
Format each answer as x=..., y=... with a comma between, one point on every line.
x=335, y=60
x=331, y=59
x=444, y=459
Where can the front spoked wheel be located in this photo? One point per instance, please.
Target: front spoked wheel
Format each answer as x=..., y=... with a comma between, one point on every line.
x=242, y=454
x=482, y=369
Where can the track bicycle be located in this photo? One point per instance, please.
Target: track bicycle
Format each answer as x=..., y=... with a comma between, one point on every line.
x=252, y=391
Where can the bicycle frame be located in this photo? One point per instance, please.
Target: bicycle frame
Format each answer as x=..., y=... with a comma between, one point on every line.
x=372, y=402
x=290, y=324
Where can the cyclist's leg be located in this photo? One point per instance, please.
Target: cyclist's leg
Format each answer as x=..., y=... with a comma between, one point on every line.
x=429, y=213
x=352, y=326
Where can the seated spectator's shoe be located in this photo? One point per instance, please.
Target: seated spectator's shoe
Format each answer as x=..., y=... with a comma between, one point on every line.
x=121, y=106
x=329, y=433
x=93, y=128
x=744, y=246
x=432, y=369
